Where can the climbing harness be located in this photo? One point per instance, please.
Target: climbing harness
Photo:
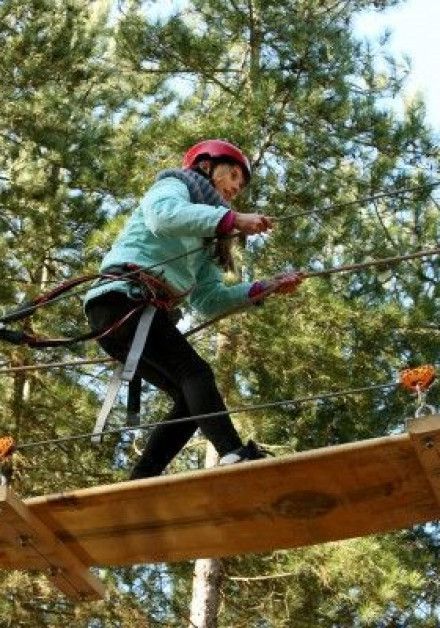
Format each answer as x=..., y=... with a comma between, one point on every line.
x=419, y=380
x=155, y=289
x=153, y=293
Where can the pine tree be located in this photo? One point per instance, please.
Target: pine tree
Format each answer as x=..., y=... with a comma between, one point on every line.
x=92, y=107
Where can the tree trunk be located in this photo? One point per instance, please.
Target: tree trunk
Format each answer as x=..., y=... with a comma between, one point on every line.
x=207, y=578
x=208, y=572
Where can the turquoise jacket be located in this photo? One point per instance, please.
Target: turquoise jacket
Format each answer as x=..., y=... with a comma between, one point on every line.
x=167, y=225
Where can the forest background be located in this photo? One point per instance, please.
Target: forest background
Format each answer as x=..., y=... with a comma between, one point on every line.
x=92, y=106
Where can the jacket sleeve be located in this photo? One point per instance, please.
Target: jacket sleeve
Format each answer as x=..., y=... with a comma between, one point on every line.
x=212, y=297
x=168, y=211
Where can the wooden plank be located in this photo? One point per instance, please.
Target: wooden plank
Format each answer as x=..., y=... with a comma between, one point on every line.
x=26, y=543
x=425, y=435
x=313, y=497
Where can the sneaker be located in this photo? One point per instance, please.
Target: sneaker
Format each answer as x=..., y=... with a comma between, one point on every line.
x=251, y=451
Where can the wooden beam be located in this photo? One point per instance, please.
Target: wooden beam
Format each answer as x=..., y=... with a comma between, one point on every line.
x=27, y=543
x=327, y=494
x=425, y=435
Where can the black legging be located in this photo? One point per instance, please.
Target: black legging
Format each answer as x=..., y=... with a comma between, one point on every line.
x=171, y=364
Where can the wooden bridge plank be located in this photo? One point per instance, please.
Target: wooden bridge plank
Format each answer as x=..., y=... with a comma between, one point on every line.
x=328, y=494
x=313, y=497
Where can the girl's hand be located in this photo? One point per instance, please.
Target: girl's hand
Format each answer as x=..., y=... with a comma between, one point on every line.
x=250, y=224
x=286, y=283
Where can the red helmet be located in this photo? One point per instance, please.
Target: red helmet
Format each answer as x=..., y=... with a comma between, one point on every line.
x=217, y=149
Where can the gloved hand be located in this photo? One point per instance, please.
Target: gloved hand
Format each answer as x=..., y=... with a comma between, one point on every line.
x=250, y=224
x=286, y=283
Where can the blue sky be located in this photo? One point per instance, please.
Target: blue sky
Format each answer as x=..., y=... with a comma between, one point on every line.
x=415, y=27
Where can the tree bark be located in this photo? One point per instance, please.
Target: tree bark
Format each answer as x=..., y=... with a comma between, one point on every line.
x=207, y=578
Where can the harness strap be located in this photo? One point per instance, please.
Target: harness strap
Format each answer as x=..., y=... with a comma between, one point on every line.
x=161, y=294
x=28, y=307
x=157, y=292
x=126, y=373
x=110, y=396
x=138, y=344
x=134, y=402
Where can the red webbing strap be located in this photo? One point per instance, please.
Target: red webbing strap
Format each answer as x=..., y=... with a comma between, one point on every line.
x=162, y=295
x=36, y=341
x=28, y=307
x=63, y=287
x=158, y=293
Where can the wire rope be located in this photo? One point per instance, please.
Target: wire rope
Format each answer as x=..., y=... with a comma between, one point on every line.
x=307, y=274
x=358, y=201
x=127, y=275
x=211, y=415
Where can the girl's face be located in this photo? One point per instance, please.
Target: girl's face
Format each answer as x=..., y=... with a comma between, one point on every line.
x=228, y=180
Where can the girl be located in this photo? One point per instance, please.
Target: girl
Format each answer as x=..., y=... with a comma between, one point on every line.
x=176, y=236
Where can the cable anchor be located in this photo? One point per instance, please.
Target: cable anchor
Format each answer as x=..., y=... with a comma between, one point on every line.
x=423, y=408
x=419, y=380
x=7, y=448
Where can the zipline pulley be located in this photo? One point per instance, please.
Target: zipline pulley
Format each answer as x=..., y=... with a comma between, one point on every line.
x=7, y=448
x=419, y=380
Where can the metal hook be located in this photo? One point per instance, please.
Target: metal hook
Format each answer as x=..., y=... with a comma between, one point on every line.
x=137, y=434
x=423, y=408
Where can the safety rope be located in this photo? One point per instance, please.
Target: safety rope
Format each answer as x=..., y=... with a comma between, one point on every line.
x=416, y=379
x=388, y=261
x=211, y=415
x=28, y=308
x=25, y=309
x=5, y=370
x=319, y=273
x=154, y=292
x=358, y=201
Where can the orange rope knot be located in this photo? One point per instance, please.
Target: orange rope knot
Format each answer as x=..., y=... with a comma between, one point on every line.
x=7, y=447
x=418, y=379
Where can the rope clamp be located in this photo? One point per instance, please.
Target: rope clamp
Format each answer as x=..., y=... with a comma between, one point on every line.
x=7, y=448
x=419, y=380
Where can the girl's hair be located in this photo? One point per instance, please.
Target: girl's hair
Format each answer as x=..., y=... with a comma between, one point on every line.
x=216, y=161
x=223, y=244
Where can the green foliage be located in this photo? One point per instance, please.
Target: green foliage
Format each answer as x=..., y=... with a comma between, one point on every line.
x=95, y=98
x=338, y=584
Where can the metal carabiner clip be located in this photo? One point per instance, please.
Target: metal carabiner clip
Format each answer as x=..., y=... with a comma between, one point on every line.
x=423, y=408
